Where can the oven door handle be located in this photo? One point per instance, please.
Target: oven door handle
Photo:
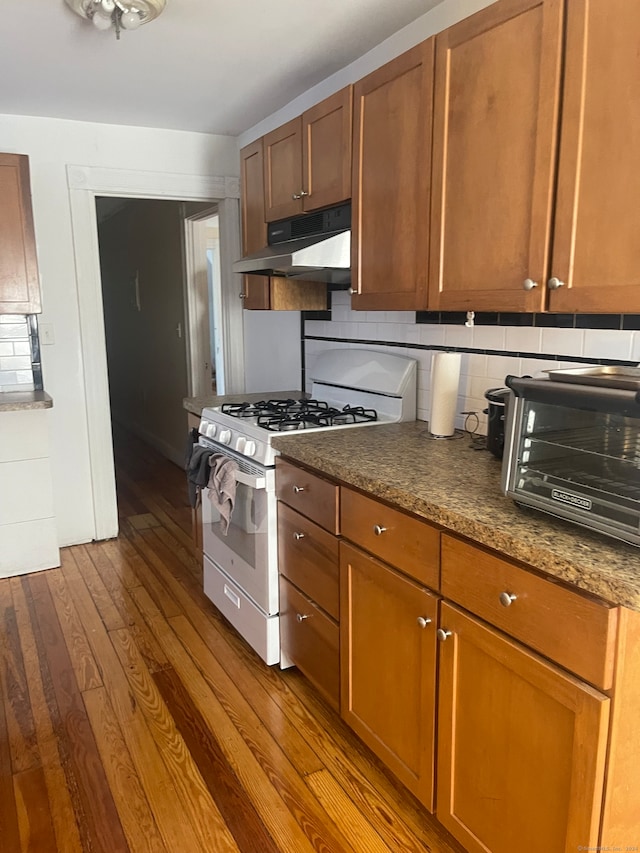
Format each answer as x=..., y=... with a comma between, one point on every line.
x=254, y=481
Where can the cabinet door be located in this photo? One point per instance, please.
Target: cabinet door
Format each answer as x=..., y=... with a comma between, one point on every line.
x=387, y=666
x=19, y=283
x=595, y=249
x=326, y=151
x=283, y=171
x=521, y=745
x=495, y=124
x=391, y=183
x=255, y=288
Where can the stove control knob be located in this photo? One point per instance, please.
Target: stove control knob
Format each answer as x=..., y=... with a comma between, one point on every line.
x=250, y=448
x=202, y=429
x=240, y=444
x=211, y=430
x=225, y=436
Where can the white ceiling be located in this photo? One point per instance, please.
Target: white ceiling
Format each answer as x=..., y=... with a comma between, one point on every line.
x=216, y=66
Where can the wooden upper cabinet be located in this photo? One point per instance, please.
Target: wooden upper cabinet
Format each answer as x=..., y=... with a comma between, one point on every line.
x=255, y=289
x=391, y=183
x=595, y=249
x=19, y=282
x=308, y=159
x=497, y=84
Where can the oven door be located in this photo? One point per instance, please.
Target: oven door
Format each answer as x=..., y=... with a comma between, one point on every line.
x=247, y=552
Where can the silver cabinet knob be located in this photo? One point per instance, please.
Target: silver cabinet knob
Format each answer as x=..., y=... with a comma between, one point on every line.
x=378, y=530
x=302, y=616
x=423, y=621
x=352, y=290
x=298, y=535
x=301, y=194
x=242, y=295
x=442, y=634
x=529, y=284
x=507, y=599
x=298, y=489
x=555, y=283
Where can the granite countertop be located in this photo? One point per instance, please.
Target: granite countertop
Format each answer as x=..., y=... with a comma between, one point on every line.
x=14, y=401
x=195, y=405
x=453, y=485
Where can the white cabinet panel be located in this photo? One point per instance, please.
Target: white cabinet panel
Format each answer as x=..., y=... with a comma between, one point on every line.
x=28, y=547
x=23, y=435
x=25, y=491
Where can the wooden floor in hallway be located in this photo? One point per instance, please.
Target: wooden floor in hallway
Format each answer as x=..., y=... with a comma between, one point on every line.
x=134, y=718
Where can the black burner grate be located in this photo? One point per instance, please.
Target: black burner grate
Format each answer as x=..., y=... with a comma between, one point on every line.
x=285, y=415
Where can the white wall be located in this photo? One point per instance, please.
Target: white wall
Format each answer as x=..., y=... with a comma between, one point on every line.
x=272, y=351
x=52, y=144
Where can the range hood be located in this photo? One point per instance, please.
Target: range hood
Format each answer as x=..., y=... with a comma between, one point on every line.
x=312, y=247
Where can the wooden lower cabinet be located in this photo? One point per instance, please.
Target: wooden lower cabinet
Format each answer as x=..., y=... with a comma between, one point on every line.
x=310, y=640
x=521, y=745
x=388, y=666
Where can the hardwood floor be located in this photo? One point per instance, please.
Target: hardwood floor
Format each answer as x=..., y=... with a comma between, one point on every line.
x=134, y=718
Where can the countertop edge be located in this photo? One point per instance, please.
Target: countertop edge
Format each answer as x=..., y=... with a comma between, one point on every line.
x=15, y=401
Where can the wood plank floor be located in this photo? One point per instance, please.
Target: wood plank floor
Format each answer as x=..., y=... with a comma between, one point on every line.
x=134, y=718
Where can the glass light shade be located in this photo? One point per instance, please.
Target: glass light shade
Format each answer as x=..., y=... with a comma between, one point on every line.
x=142, y=11
x=130, y=20
x=100, y=22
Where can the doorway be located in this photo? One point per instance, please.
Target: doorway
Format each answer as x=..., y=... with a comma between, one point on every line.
x=85, y=184
x=147, y=318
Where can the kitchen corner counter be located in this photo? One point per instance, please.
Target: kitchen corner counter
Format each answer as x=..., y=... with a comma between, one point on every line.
x=14, y=401
x=452, y=485
x=195, y=405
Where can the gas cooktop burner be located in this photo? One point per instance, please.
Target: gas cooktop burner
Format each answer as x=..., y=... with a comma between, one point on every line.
x=283, y=415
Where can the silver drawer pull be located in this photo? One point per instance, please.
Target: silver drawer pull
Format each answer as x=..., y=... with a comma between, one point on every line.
x=378, y=530
x=298, y=489
x=442, y=634
x=555, y=283
x=298, y=535
x=507, y=599
x=529, y=284
x=423, y=621
x=302, y=616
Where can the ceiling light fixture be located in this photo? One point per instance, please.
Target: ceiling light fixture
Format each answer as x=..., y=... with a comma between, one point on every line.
x=117, y=14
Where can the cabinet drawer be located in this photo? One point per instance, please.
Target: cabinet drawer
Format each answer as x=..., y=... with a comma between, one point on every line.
x=576, y=631
x=308, y=556
x=413, y=546
x=309, y=494
x=311, y=640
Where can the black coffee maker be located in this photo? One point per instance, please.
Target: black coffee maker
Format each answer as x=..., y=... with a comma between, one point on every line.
x=497, y=413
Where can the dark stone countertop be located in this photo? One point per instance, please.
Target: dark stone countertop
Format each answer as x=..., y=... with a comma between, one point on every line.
x=457, y=487
x=15, y=401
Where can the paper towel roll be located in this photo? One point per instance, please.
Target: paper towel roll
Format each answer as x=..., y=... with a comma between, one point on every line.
x=445, y=378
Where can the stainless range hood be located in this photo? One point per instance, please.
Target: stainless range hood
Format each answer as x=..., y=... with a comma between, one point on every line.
x=313, y=247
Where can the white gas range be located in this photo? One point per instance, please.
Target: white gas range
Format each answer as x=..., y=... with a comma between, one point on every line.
x=350, y=388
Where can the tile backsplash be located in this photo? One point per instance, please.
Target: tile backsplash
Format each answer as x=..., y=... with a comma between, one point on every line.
x=19, y=353
x=489, y=351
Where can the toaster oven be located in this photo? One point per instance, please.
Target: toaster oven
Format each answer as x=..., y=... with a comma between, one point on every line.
x=573, y=450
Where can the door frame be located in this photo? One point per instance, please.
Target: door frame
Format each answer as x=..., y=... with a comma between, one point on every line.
x=196, y=309
x=85, y=183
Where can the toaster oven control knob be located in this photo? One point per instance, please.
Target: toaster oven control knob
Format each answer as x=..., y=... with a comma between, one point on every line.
x=555, y=283
x=225, y=436
x=250, y=448
x=240, y=444
x=529, y=284
x=507, y=599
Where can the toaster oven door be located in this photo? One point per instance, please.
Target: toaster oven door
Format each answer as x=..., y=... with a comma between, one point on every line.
x=577, y=456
